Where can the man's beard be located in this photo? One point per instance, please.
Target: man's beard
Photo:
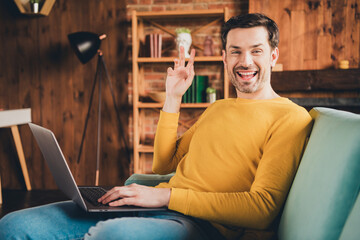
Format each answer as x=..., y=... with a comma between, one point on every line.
x=245, y=87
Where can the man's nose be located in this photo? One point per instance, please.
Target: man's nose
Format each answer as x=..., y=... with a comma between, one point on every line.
x=245, y=59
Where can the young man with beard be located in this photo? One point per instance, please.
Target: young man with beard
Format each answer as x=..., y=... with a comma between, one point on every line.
x=234, y=166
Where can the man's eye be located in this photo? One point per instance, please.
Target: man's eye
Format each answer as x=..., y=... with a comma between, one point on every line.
x=257, y=51
x=235, y=52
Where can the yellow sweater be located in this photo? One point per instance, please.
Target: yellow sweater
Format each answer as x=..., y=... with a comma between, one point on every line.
x=235, y=165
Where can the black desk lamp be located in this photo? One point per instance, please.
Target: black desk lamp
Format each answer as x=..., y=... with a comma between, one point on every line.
x=86, y=45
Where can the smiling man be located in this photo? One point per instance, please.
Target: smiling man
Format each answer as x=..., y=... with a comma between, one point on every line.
x=234, y=166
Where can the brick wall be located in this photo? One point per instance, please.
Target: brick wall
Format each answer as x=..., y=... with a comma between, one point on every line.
x=155, y=74
x=235, y=6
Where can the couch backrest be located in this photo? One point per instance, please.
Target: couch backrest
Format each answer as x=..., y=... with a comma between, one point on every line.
x=327, y=183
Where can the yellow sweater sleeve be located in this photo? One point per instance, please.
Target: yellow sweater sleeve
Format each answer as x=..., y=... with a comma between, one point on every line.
x=168, y=150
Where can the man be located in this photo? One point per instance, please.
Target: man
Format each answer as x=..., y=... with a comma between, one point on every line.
x=234, y=166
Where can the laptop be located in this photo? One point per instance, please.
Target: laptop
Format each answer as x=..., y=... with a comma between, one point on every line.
x=85, y=197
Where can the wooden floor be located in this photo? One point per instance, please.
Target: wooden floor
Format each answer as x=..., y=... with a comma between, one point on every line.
x=19, y=199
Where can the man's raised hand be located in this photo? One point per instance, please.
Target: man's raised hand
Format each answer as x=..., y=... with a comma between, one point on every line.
x=178, y=80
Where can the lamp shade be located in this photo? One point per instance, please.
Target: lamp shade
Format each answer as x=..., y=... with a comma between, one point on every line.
x=85, y=44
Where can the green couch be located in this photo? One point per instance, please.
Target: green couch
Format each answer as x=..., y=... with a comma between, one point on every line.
x=324, y=202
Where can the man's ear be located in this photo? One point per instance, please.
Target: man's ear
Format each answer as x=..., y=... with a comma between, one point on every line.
x=274, y=56
x=224, y=57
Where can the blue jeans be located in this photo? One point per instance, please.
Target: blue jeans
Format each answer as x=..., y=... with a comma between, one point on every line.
x=65, y=220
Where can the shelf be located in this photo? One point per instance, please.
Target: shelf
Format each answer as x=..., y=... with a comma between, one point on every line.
x=24, y=7
x=171, y=59
x=327, y=102
x=317, y=80
x=183, y=105
x=146, y=149
x=181, y=14
x=195, y=105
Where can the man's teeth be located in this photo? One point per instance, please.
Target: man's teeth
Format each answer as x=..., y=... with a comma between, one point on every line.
x=243, y=74
x=247, y=74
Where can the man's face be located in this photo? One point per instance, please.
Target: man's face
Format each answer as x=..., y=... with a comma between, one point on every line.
x=248, y=59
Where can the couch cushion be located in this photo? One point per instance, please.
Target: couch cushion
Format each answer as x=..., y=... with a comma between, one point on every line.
x=148, y=179
x=327, y=182
x=351, y=230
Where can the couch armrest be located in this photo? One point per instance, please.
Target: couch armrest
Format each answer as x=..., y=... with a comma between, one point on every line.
x=148, y=179
x=327, y=183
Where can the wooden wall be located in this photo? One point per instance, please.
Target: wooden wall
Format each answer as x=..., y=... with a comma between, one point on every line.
x=38, y=70
x=314, y=34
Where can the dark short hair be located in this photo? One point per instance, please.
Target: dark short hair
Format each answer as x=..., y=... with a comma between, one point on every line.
x=252, y=20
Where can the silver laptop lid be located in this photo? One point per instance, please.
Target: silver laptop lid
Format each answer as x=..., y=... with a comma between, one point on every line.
x=57, y=163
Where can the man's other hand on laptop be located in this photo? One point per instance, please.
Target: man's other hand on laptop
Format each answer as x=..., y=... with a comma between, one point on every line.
x=137, y=195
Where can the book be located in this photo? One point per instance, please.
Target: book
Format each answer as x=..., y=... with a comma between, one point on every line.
x=153, y=45
x=196, y=93
x=156, y=45
x=201, y=83
x=188, y=94
x=159, y=45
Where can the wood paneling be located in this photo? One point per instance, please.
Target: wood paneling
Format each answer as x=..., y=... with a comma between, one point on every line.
x=38, y=70
x=314, y=34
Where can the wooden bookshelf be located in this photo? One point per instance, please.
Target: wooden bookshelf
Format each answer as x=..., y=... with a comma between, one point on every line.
x=138, y=21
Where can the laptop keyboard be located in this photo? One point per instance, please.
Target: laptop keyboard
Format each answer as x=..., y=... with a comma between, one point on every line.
x=92, y=194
